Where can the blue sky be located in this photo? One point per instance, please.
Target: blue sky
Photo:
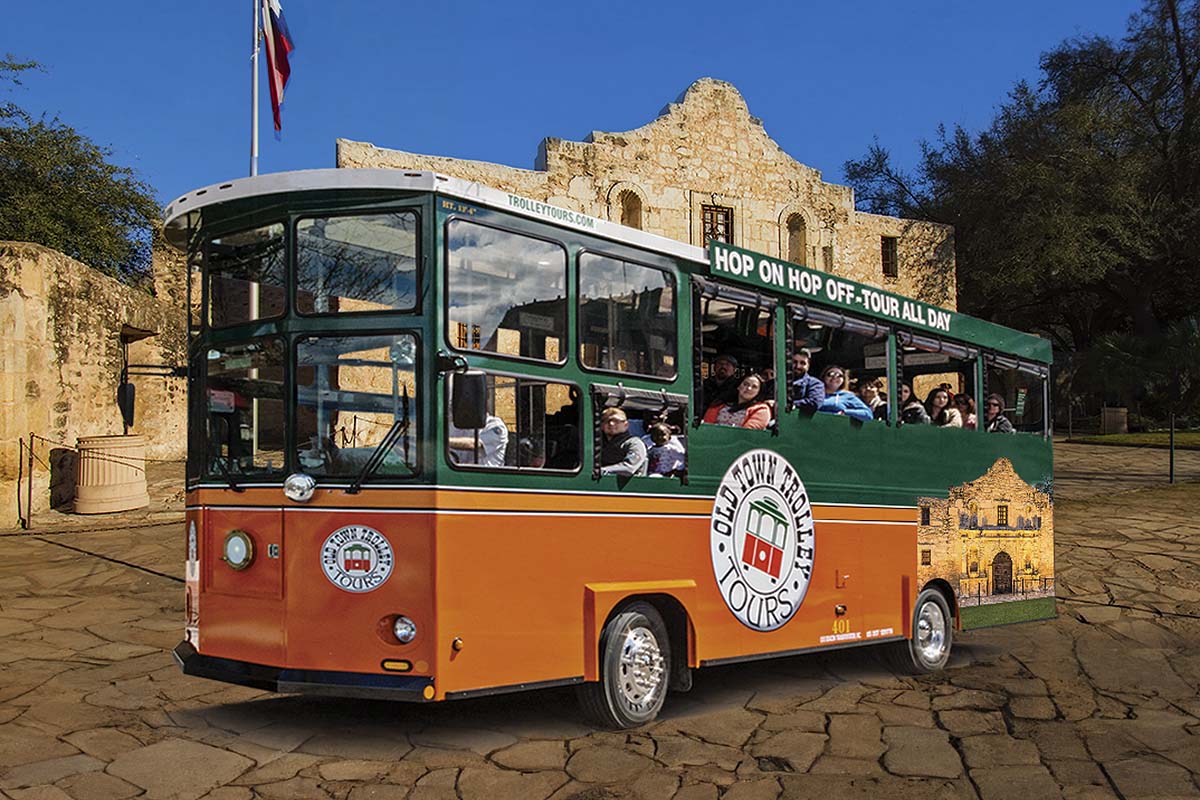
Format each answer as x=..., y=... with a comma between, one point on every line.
x=166, y=85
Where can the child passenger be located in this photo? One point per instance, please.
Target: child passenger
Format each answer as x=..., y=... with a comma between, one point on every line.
x=665, y=454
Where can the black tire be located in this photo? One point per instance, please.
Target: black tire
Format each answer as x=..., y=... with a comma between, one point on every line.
x=635, y=669
x=933, y=635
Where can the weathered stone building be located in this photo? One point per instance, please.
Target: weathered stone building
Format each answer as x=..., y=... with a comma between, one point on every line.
x=705, y=167
x=991, y=539
x=65, y=331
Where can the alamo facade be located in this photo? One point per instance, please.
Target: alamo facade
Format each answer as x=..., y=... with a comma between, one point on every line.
x=991, y=539
x=706, y=168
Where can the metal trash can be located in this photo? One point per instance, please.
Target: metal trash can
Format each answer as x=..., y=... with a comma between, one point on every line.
x=112, y=474
x=1114, y=419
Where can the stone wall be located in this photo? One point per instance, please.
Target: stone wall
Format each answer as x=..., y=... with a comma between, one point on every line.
x=706, y=149
x=61, y=359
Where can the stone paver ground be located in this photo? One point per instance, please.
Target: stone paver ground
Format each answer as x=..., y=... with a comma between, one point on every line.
x=1102, y=702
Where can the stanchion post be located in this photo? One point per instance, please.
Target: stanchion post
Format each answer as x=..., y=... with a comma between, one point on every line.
x=1171, y=448
x=29, y=490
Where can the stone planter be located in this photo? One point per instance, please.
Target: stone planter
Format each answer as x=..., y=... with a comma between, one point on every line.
x=112, y=474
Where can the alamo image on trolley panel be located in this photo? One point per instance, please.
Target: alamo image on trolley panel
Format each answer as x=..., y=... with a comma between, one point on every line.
x=703, y=169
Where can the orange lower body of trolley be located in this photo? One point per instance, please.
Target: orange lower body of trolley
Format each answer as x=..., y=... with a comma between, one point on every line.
x=496, y=591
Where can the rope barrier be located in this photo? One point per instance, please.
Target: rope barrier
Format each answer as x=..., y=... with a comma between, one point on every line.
x=129, y=461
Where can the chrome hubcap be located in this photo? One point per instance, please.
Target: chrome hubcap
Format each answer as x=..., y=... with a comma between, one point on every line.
x=642, y=668
x=931, y=633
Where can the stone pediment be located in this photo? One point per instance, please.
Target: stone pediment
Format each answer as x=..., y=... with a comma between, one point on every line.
x=709, y=117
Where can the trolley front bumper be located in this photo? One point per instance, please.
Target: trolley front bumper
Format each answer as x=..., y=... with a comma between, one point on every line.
x=276, y=679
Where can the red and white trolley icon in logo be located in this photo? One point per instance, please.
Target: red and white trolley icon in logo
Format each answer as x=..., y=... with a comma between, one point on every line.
x=766, y=536
x=356, y=558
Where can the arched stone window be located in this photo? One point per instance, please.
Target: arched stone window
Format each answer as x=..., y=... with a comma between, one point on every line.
x=797, y=240
x=631, y=209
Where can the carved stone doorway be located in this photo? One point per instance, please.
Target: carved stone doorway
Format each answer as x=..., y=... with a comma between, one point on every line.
x=1002, y=574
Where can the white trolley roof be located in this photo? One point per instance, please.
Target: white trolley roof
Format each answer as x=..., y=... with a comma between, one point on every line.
x=184, y=212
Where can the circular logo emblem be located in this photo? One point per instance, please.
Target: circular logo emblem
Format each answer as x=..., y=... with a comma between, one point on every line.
x=761, y=538
x=356, y=558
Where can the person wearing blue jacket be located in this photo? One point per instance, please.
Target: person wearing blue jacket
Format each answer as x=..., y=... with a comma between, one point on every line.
x=840, y=401
x=807, y=393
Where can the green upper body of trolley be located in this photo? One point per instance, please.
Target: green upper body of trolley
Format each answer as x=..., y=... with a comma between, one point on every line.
x=420, y=336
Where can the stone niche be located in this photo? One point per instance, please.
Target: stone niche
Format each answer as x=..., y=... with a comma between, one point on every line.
x=705, y=154
x=61, y=356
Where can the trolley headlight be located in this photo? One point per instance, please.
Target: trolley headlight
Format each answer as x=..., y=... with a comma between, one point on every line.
x=299, y=487
x=404, y=629
x=238, y=551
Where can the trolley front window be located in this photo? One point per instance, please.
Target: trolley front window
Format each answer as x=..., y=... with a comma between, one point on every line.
x=356, y=403
x=354, y=264
x=244, y=423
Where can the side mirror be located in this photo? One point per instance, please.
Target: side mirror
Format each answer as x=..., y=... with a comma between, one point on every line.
x=468, y=399
x=125, y=398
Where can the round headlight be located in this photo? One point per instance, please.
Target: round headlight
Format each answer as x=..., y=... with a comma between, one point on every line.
x=405, y=630
x=299, y=487
x=238, y=552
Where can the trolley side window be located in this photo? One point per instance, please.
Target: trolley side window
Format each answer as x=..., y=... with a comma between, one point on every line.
x=245, y=423
x=626, y=317
x=527, y=424
x=846, y=355
x=938, y=377
x=1021, y=389
x=506, y=292
x=245, y=273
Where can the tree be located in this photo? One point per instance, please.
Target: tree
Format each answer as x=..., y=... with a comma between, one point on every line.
x=1077, y=211
x=1158, y=373
x=59, y=189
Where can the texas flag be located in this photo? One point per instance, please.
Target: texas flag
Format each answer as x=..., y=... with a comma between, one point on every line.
x=279, y=44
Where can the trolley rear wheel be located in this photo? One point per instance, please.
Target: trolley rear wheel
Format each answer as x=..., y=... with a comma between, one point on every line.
x=932, y=636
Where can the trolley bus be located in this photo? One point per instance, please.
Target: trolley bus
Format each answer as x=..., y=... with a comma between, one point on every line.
x=405, y=393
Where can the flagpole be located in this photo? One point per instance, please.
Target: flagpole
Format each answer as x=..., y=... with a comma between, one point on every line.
x=254, y=94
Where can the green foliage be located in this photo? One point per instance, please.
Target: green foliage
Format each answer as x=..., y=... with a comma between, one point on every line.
x=59, y=189
x=1159, y=373
x=1077, y=211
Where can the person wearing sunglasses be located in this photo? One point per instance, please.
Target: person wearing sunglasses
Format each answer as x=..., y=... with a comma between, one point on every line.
x=840, y=401
x=994, y=420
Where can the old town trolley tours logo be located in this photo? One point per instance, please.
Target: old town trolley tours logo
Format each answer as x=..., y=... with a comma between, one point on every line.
x=356, y=558
x=761, y=539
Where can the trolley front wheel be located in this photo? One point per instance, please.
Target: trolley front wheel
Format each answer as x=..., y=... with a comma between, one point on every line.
x=635, y=669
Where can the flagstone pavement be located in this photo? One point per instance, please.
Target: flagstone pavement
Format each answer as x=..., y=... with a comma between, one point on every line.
x=1102, y=702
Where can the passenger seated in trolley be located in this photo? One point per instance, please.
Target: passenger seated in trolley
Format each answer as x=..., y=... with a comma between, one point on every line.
x=484, y=447
x=747, y=410
x=912, y=412
x=622, y=452
x=993, y=416
x=840, y=401
x=665, y=453
x=807, y=392
x=941, y=410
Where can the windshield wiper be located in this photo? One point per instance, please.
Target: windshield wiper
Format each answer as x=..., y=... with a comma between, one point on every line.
x=220, y=462
x=399, y=428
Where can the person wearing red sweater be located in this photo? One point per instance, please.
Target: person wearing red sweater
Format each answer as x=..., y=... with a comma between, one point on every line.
x=747, y=411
